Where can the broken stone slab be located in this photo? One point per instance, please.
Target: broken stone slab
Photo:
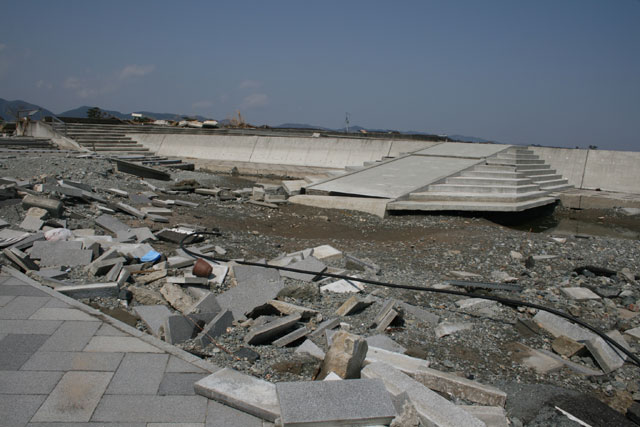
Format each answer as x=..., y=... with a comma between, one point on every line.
x=216, y=327
x=240, y=391
x=130, y=210
x=407, y=364
x=207, y=303
x=103, y=266
x=141, y=171
x=634, y=332
x=420, y=314
x=345, y=356
x=27, y=242
x=31, y=223
x=178, y=328
x=580, y=294
x=117, y=192
x=53, y=206
x=565, y=346
x=385, y=343
x=542, y=363
x=475, y=303
x=577, y=368
x=158, y=218
x=111, y=224
x=188, y=280
x=286, y=308
x=114, y=272
x=154, y=210
x=448, y=328
x=21, y=259
x=267, y=333
x=327, y=324
x=177, y=297
x=180, y=261
x=147, y=296
x=68, y=258
x=609, y=359
x=255, y=286
x=353, y=402
x=326, y=253
x=139, y=199
x=292, y=337
x=310, y=349
x=92, y=290
x=343, y=286
x=460, y=387
x=492, y=416
x=464, y=275
x=151, y=277
x=207, y=191
x=132, y=250
x=354, y=304
x=153, y=317
x=353, y=263
x=186, y=203
x=309, y=264
x=433, y=409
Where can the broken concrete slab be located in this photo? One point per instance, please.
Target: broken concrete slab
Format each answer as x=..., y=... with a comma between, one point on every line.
x=255, y=286
x=177, y=297
x=92, y=290
x=353, y=263
x=101, y=267
x=41, y=247
x=216, y=327
x=343, y=286
x=292, y=337
x=68, y=258
x=609, y=359
x=345, y=356
x=208, y=303
x=31, y=223
x=153, y=316
x=21, y=259
x=448, y=328
x=432, y=408
x=492, y=416
x=114, y=272
x=308, y=264
x=567, y=347
x=326, y=324
x=580, y=294
x=407, y=364
x=179, y=261
x=385, y=316
x=53, y=206
x=286, y=308
x=188, y=279
x=267, y=333
x=472, y=304
x=240, y=391
x=111, y=224
x=385, y=343
x=178, y=328
x=354, y=304
x=420, y=314
x=151, y=277
x=353, y=402
x=130, y=210
x=155, y=210
x=310, y=349
x=534, y=359
x=141, y=171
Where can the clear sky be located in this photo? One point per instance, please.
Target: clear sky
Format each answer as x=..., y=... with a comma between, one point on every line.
x=549, y=72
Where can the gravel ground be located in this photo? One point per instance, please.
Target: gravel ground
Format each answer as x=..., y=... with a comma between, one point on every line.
x=417, y=250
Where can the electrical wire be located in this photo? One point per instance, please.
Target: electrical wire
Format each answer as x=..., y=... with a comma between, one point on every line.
x=506, y=301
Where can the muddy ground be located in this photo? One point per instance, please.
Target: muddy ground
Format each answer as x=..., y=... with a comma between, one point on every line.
x=419, y=250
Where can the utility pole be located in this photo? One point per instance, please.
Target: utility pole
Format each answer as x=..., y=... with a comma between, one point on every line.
x=346, y=120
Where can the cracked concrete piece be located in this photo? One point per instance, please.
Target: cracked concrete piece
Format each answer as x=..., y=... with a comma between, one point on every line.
x=291, y=337
x=308, y=264
x=407, y=364
x=266, y=333
x=216, y=327
x=351, y=402
x=385, y=343
x=309, y=348
x=153, y=316
x=345, y=356
x=447, y=328
x=608, y=358
x=343, y=286
x=68, y=258
x=243, y=392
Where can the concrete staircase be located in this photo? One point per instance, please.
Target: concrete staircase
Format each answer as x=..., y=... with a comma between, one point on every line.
x=102, y=139
x=511, y=181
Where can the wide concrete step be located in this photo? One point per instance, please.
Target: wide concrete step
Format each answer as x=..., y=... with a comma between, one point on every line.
x=98, y=136
x=544, y=177
x=512, y=162
x=474, y=188
x=495, y=168
x=109, y=144
x=558, y=187
x=433, y=196
x=492, y=174
x=518, y=156
x=101, y=141
x=128, y=149
x=519, y=151
x=552, y=183
x=470, y=205
x=500, y=181
x=527, y=168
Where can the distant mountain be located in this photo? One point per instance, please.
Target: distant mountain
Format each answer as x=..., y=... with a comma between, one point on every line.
x=82, y=112
x=470, y=138
x=9, y=110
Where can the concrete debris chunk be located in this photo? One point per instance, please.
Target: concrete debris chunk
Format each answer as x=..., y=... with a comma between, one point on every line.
x=354, y=263
x=117, y=192
x=327, y=324
x=148, y=210
x=151, y=277
x=216, y=327
x=565, y=346
x=420, y=314
x=113, y=273
x=326, y=253
x=54, y=207
x=180, y=261
x=407, y=364
x=292, y=337
x=177, y=297
x=111, y=224
x=534, y=359
x=447, y=328
x=21, y=259
x=240, y=391
x=354, y=304
x=385, y=316
x=308, y=348
x=267, y=333
x=492, y=416
x=179, y=328
x=188, y=280
x=158, y=218
x=343, y=286
x=90, y=291
x=353, y=403
x=345, y=356
x=608, y=358
x=308, y=264
x=68, y=258
x=286, y=308
x=153, y=317
x=130, y=210
x=255, y=286
x=293, y=187
x=475, y=303
x=580, y=294
x=433, y=409
x=31, y=223
x=102, y=267
x=385, y=343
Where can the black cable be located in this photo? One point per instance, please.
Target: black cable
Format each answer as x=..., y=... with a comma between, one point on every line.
x=506, y=301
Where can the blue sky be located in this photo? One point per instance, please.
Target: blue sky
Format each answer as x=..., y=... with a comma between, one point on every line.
x=557, y=73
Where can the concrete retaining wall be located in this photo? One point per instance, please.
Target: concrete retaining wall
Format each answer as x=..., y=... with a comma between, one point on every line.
x=335, y=153
x=39, y=129
x=595, y=169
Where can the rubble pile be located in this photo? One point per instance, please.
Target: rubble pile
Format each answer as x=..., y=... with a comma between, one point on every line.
x=367, y=354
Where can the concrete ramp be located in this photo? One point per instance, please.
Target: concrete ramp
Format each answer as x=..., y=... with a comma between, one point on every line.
x=398, y=177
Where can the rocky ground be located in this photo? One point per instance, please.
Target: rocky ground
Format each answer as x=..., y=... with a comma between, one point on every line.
x=417, y=250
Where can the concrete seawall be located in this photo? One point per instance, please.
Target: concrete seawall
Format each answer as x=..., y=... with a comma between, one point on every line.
x=331, y=153
x=617, y=171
